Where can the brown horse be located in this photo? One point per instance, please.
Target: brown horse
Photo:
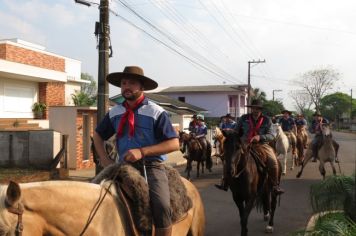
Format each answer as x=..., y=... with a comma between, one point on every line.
x=302, y=143
x=62, y=208
x=195, y=153
x=249, y=184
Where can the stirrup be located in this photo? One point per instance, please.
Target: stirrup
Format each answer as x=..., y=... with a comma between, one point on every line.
x=277, y=190
x=221, y=187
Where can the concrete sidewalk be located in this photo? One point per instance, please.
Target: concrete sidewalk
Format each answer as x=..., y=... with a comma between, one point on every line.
x=173, y=159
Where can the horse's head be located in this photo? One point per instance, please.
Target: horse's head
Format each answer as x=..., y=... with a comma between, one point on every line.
x=325, y=129
x=232, y=144
x=276, y=129
x=183, y=137
x=9, y=201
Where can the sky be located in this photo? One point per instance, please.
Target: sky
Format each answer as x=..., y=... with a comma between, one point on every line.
x=199, y=42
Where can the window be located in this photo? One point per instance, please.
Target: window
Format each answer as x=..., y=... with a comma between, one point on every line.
x=182, y=99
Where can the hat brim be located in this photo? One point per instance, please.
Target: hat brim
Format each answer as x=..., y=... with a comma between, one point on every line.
x=286, y=111
x=254, y=106
x=115, y=79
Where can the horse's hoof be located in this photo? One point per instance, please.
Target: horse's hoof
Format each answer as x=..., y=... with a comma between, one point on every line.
x=266, y=217
x=284, y=173
x=291, y=168
x=269, y=229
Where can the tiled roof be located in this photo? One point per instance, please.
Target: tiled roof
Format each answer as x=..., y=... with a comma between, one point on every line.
x=206, y=88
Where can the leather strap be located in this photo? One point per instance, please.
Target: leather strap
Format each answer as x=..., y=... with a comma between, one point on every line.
x=17, y=211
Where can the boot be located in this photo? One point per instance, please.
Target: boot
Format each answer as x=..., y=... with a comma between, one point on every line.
x=273, y=176
x=163, y=231
x=223, y=185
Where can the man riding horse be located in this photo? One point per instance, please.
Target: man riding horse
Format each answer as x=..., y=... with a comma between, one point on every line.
x=256, y=127
x=315, y=128
x=301, y=124
x=144, y=132
x=199, y=131
x=289, y=128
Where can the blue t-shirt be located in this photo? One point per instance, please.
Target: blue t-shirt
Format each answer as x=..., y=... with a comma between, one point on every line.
x=228, y=125
x=287, y=124
x=300, y=122
x=152, y=126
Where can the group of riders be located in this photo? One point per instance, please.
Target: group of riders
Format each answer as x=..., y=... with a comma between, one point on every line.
x=255, y=127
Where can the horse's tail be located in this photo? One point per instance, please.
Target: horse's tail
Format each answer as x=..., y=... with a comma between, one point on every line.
x=209, y=160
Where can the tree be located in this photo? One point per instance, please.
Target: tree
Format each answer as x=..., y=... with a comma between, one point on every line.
x=317, y=83
x=271, y=108
x=259, y=94
x=87, y=94
x=302, y=100
x=334, y=105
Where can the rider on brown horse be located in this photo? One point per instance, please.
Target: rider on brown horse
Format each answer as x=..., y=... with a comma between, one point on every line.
x=255, y=127
x=301, y=124
x=315, y=128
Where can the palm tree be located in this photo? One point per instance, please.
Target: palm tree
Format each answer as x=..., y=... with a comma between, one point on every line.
x=259, y=94
x=334, y=194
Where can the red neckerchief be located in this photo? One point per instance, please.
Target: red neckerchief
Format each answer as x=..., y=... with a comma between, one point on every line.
x=130, y=117
x=254, y=129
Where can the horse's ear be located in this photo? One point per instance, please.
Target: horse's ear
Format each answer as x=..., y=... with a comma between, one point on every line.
x=13, y=193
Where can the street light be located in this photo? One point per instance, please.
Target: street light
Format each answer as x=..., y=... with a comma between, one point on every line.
x=275, y=90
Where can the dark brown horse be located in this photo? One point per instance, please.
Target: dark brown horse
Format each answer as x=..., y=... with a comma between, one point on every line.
x=249, y=182
x=195, y=153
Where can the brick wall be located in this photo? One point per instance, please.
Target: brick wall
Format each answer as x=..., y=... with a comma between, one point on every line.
x=29, y=57
x=80, y=162
x=52, y=94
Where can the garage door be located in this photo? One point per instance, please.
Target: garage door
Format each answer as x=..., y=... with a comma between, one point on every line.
x=17, y=101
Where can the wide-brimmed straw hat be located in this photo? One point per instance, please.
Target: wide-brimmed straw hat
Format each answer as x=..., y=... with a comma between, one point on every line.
x=286, y=111
x=256, y=103
x=132, y=72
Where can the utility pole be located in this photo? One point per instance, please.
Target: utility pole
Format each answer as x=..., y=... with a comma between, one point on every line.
x=275, y=90
x=102, y=31
x=351, y=112
x=249, y=80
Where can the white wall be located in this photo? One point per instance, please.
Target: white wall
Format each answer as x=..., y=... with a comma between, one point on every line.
x=70, y=88
x=215, y=103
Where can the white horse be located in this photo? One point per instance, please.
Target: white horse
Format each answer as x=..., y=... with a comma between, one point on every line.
x=282, y=147
x=326, y=153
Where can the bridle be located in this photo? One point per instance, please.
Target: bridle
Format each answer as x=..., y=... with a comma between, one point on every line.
x=17, y=211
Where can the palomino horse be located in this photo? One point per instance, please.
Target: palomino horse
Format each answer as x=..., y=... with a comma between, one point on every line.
x=218, y=136
x=282, y=147
x=195, y=153
x=63, y=207
x=326, y=153
x=249, y=184
x=302, y=142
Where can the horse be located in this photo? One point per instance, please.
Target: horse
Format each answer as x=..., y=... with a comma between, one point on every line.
x=195, y=153
x=63, y=208
x=326, y=153
x=218, y=136
x=282, y=147
x=302, y=143
x=248, y=184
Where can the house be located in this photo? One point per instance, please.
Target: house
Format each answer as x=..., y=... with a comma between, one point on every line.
x=30, y=74
x=218, y=100
x=179, y=112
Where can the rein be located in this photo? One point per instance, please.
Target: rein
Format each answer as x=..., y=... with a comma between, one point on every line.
x=97, y=204
x=17, y=211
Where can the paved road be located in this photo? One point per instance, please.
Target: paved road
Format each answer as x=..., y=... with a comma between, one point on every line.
x=294, y=210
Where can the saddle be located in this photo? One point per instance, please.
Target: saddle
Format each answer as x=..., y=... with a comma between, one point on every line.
x=134, y=193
